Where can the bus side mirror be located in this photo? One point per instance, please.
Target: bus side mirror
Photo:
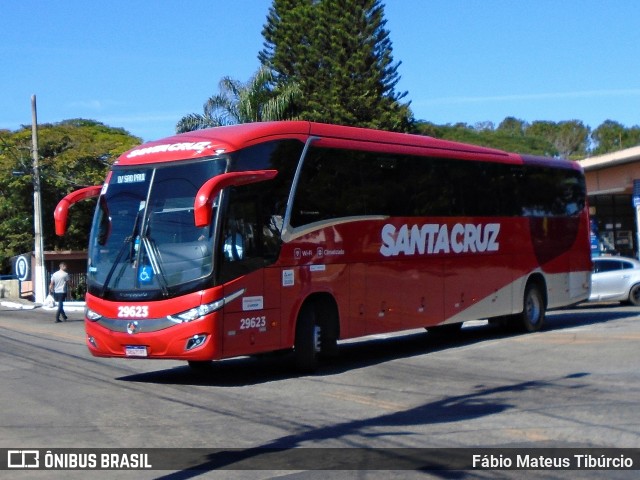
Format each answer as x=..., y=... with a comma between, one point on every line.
x=61, y=212
x=211, y=189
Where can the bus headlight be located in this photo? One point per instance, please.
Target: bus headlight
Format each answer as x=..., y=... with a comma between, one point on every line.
x=202, y=310
x=196, y=313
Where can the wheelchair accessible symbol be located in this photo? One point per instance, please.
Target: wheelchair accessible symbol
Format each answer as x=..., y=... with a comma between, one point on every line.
x=145, y=274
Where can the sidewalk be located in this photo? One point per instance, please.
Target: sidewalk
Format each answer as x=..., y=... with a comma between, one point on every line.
x=23, y=304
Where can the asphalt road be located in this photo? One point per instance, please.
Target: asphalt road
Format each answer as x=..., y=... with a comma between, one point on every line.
x=575, y=384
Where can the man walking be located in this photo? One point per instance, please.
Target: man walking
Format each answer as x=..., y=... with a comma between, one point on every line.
x=58, y=287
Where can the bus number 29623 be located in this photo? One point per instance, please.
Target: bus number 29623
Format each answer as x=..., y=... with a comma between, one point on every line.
x=125, y=311
x=253, y=322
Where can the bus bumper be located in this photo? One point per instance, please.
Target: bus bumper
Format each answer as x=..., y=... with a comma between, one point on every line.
x=197, y=340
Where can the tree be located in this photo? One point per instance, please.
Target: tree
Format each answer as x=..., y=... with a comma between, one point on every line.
x=512, y=126
x=570, y=138
x=611, y=136
x=506, y=137
x=485, y=126
x=255, y=101
x=286, y=34
x=340, y=54
x=72, y=154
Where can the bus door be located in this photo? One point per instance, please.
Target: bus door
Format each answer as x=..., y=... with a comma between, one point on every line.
x=251, y=322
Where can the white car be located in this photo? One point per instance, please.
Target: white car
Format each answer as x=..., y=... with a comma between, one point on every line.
x=615, y=279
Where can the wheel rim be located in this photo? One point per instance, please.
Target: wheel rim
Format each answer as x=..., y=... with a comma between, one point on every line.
x=533, y=307
x=317, y=344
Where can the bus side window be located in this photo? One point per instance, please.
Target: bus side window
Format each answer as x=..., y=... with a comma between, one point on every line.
x=233, y=249
x=247, y=242
x=239, y=234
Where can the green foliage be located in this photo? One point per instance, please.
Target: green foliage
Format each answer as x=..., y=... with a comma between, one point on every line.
x=289, y=24
x=567, y=139
x=255, y=101
x=611, y=136
x=512, y=126
x=72, y=154
x=340, y=54
x=501, y=138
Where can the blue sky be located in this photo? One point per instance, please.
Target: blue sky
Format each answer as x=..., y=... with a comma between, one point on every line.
x=142, y=65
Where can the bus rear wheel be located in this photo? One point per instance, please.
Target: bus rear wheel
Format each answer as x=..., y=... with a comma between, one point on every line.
x=533, y=312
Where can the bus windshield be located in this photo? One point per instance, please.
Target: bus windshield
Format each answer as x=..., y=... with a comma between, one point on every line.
x=144, y=236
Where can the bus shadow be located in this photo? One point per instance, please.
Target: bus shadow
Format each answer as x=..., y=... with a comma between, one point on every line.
x=279, y=366
x=288, y=452
x=368, y=352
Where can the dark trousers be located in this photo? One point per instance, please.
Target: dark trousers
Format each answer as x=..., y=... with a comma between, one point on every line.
x=60, y=297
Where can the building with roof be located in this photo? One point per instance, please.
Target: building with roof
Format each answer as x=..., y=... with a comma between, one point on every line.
x=613, y=187
x=24, y=266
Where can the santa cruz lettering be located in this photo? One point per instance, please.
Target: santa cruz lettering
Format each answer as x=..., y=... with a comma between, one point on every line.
x=432, y=238
x=197, y=147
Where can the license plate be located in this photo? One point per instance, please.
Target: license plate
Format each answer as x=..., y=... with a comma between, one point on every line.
x=135, y=351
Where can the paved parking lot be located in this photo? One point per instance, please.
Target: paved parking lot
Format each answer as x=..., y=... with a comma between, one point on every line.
x=574, y=385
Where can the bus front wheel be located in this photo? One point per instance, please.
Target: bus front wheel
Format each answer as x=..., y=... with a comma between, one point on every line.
x=532, y=317
x=307, y=345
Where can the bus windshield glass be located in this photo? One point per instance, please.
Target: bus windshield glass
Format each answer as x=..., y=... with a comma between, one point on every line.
x=144, y=236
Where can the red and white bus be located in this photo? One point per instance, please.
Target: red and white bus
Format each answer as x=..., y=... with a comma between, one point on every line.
x=293, y=235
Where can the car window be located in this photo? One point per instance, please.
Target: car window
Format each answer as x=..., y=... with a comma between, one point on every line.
x=626, y=265
x=607, y=265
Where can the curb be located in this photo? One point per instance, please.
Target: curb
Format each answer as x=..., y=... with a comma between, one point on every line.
x=18, y=306
x=26, y=305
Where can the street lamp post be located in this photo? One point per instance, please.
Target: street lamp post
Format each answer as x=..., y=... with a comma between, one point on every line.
x=39, y=281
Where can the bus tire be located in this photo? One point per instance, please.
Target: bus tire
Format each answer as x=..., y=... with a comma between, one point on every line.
x=307, y=346
x=329, y=322
x=533, y=309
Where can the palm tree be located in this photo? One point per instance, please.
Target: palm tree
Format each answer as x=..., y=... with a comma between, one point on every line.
x=256, y=101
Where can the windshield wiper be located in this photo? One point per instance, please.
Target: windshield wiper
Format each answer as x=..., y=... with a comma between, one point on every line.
x=116, y=262
x=152, y=252
x=128, y=242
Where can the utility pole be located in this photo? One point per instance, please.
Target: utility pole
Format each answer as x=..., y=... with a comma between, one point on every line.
x=39, y=281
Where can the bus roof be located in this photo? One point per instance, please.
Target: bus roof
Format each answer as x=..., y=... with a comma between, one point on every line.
x=227, y=139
